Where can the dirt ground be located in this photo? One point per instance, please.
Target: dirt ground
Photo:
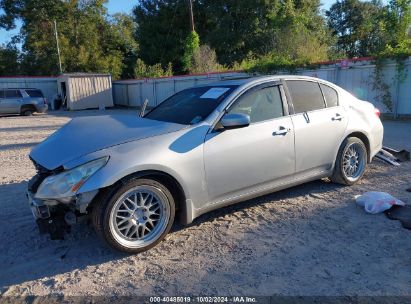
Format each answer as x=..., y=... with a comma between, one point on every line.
x=308, y=240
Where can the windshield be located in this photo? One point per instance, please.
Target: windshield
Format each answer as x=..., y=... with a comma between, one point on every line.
x=190, y=106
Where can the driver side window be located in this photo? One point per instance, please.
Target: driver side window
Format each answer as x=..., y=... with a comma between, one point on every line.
x=261, y=105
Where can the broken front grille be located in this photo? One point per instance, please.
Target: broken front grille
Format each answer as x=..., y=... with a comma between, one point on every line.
x=42, y=174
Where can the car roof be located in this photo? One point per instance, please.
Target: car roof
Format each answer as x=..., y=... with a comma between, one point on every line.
x=246, y=80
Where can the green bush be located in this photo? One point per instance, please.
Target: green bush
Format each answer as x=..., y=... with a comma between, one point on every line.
x=143, y=70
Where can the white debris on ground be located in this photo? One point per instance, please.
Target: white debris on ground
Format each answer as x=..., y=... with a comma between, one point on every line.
x=377, y=202
x=309, y=240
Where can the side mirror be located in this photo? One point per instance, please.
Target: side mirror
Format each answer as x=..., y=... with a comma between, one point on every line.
x=235, y=121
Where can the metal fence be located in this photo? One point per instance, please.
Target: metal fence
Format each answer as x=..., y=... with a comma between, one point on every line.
x=134, y=92
x=356, y=76
x=48, y=85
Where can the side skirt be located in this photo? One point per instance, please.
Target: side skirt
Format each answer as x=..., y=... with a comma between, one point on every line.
x=194, y=213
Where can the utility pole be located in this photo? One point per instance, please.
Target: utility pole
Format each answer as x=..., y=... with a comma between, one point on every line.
x=57, y=43
x=190, y=3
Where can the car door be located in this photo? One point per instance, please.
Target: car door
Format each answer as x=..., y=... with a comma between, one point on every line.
x=250, y=159
x=318, y=127
x=12, y=101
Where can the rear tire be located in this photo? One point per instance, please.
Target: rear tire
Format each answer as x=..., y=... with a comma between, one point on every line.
x=27, y=112
x=351, y=162
x=134, y=217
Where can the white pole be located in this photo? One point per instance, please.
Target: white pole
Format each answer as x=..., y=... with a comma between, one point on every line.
x=57, y=43
x=190, y=6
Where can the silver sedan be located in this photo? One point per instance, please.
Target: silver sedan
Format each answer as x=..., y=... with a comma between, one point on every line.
x=201, y=149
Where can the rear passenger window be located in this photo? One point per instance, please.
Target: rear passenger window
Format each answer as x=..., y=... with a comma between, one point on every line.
x=34, y=93
x=330, y=95
x=12, y=94
x=306, y=96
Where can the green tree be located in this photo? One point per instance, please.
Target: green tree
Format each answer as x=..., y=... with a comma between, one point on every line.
x=90, y=41
x=360, y=26
x=123, y=29
x=398, y=19
x=235, y=29
x=162, y=27
x=191, y=46
x=300, y=33
x=9, y=60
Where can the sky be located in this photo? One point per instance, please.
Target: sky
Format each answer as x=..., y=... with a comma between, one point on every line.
x=113, y=6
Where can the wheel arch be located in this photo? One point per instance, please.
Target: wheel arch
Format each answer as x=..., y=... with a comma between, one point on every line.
x=27, y=106
x=364, y=138
x=172, y=184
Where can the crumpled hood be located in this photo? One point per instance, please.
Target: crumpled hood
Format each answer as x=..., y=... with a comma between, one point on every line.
x=85, y=135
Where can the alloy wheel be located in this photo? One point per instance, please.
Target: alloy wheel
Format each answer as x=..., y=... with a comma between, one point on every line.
x=139, y=216
x=353, y=161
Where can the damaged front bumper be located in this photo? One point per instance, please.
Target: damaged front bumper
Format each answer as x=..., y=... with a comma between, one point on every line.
x=50, y=219
x=38, y=208
x=55, y=217
x=54, y=202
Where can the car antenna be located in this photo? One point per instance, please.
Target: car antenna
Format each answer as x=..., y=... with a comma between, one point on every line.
x=143, y=108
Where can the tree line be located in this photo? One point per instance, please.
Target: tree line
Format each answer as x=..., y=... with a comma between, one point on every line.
x=156, y=39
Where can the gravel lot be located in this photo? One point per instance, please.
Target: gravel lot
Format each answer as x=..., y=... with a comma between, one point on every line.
x=308, y=240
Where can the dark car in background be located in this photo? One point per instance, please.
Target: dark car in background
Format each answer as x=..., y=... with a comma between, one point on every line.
x=22, y=101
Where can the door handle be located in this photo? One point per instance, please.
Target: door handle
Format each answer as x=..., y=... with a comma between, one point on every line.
x=307, y=118
x=281, y=131
x=338, y=117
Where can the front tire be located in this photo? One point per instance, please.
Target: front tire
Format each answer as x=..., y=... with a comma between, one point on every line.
x=136, y=217
x=351, y=162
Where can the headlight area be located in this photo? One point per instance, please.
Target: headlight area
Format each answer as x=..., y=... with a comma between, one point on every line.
x=56, y=205
x=63, y=187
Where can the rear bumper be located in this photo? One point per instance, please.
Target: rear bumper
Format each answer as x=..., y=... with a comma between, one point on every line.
x=376, y=139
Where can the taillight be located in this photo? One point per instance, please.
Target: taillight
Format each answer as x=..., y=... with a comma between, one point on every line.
x=377, y=112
